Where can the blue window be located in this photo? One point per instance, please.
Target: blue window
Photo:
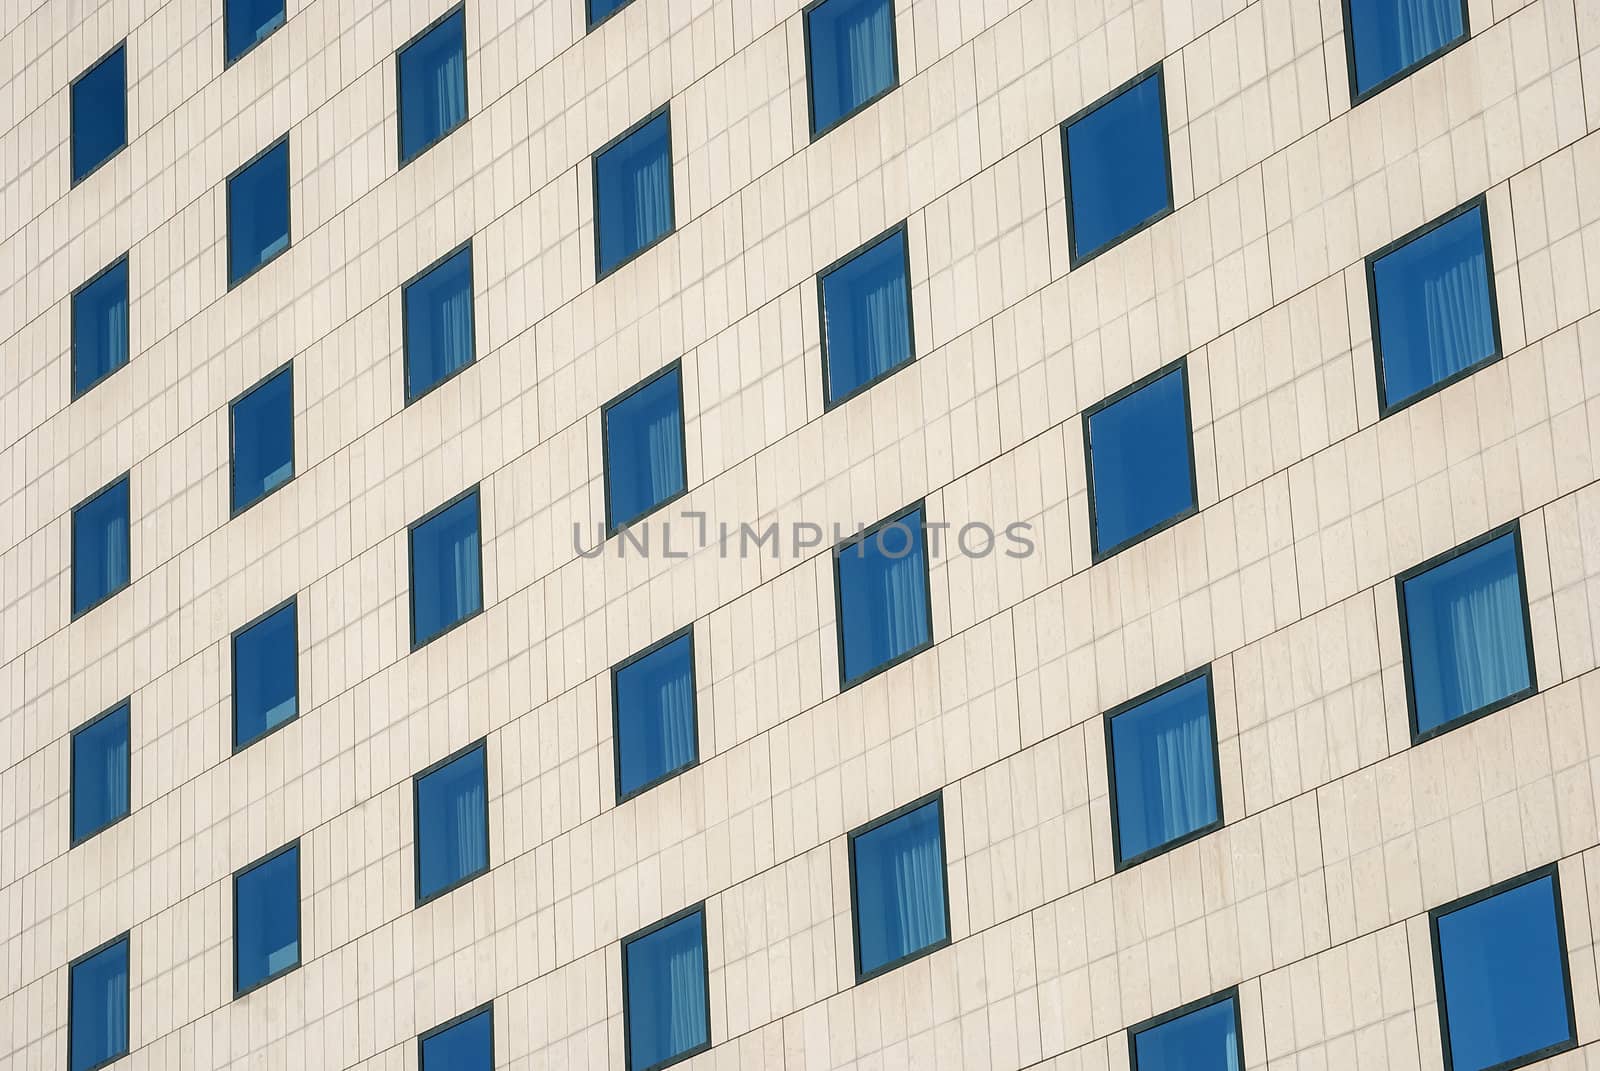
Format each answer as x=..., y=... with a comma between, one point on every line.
x=100, y=327
x=866, y=316
x=266, y=919
x=463, y=1044
x=850, y=53
x=1141, y=461
x=653, y=703
x=446, y=568
x=1433, y=307
x=601, y=10
x=258, y=212
x=644, y=442
x=1464, y=622
x=98, y=1000
x=666, y=991
x=1500, y=956
x=884, y=606
x=433, y=84
x=99, y=113
x=437, y=309
x=633, y=192
x=100, y=547
x=1385, y=40
x=265, y=675
x=101, y=767
x=1164, y=768
x=452, y=805
x=1203, y=1036
x=898, y=889
x=1119, y=178
x=248, y=22
x=263, y=439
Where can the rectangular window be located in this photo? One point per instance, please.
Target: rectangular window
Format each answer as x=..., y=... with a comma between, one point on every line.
x=248, y=22
x=633, y=192
x=266, y=675
x=436, y=307
x=1203, y=1036
x=463, y=1044
x=102, y=765
x=100, y=546
x=884, y=605
x=653, y=706
x=262, y=423
x=1118, y=167
x=1468, y=645
x=433, y=84
x=1433, y=307
x=1162, y=749
x=898, y=889
x=258, y=212
x=1385, y=40
x=866, y=316
x=644, y=447
x=99, y=113
x=601, y=10
x=1500, y=967
x=666, y=991
x=1140, y=455
x=452, y=812
x=446, y=568
x=266, y=919
x=850, y=58
x=97, y=998
x=100, y=327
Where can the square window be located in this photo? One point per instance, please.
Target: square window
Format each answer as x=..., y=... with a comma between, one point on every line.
x=601, y=10
x=263, y=439
x=446, y=568
x=1464, y=619
x=98, y=1001
x=633, y=192
x=866, y=316
x=248, y=23
x=1385, y=40
x=463, y=1044
x=433, y=84
x=266, y=919
x=102, y=765
x=1203, y=1036
x=100, y=327
x=666, y=991
x=265, y=675
x=437, y=308
x=258, y=212
x=100, y=547
x=452, y=806
x=1505, y=995
x=850, y=56
x=644, y=441
x=1163, y=754
x=653, y=702
x=1119, y=177
x=99, y=113
x=1141, y=461
x=898, y=889
x=1433, y=307
x=884, y=605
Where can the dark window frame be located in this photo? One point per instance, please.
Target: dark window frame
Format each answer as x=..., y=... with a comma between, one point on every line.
x=480, y=744
x=828, y=401
x=72, y=327
x=73, y=840
x=616, y=714
x=72, y=133
x=672, y=190
x=705, y=960
x=811, y=103
x=125, y=937
x=854, y=540
x=1356, y=96
x=233, y=672
x=937, y=797
x=286, y=368
x=613, y=526
x=300, y=920
x=427, y=1035
x=594, y=23
x=399, y=86
x=1230, y=993
x=72, y=539
x=405, y=322
x=227, y=207
x=411, y=563
x=228, y=61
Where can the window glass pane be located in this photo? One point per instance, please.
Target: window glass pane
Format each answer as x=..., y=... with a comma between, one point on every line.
x=249, y=21
x=1393, y=35
x=883, y=596
x=100, y=764
x=452, y=824
x=446, y=582
x=1141, y=462
x=655, y=715
x=599, y=9
x=258, y=212
x=644, y=448
x=1117, y=167
x=100, y=113
x=1435, y=317
x=1166, y=774
x=466, y=1046
x=267, y=919
x=263, y=439
x=866, y=315
x=100, y=546
x=265, y=676
x=666, y=977
x=433, y=85
x=633, y=192
x=99, y=1013
x=1204, y=1040
x=438, y=308
x=1505, y=980
x=100, y=327
x=1467, y=638
x=852, y=56
x=899, y=875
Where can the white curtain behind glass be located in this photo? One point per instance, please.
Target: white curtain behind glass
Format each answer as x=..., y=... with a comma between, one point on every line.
x=115, y=1002
x=665, y=464
x=116, y=550
x=919, y=889
x=1485, y=625
x=450, y=81
x=1424, y=25
x=686, y=1028
x=652, y=198
x=677, y=722
x=869, y=54
x=464, y=560
x=454, y=342
x=1458, y=328
x=904, y=617
x=471, y=847
x=884, y=323
x=1183, y=761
